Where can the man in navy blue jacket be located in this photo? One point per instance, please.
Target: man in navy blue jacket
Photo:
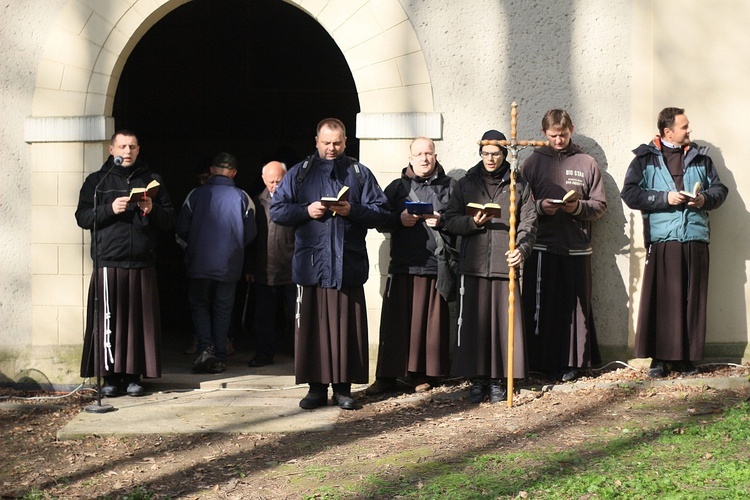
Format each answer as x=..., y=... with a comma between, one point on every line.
x=217, y=222
x=330, y=264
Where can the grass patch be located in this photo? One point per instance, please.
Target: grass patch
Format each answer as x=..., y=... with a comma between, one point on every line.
x=698, y=458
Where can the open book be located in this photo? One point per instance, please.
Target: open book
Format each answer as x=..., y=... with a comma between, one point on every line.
x=696, y=190
x=492, y=209
x=419, y=208
x=343, y=195
x=570, y=196
x=137, y=194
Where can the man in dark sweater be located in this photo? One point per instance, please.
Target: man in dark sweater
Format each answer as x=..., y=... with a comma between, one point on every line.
x=557, y=290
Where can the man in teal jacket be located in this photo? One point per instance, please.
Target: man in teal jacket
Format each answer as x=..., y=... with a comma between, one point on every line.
x=674, y=184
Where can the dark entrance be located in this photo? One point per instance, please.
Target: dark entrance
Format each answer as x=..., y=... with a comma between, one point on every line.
x=249, y=77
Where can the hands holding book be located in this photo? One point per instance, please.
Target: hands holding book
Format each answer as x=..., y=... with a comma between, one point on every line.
x=568, y=203
x=145, y=204
x=416, y=210
x=693, y=198
x=338, y=204
x=318, y=209
x=483, y=213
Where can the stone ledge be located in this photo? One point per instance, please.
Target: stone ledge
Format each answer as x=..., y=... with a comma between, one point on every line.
x=68, y=129
x=399, y=125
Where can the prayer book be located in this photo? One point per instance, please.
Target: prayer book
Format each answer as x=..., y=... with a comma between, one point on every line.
x=492, y=209
x=343, y=195
x=696, y=190
x=569, y=197
x=137, y=194
x=419, y=208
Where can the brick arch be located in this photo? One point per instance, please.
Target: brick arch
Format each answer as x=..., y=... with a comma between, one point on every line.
x=91, y=41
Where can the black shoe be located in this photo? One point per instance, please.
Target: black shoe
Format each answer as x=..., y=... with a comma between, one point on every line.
x=257, y=362
x=204, y=360
x=314, y=400
x=218, y=367
x=109, y=391
x=478, y=391
x=344, y=402
x=658, y=369
x=567, y=374
x=135, y=389
x=686, y=368
x=497, y=391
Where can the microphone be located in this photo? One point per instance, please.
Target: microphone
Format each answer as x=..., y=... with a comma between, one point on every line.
x=118, y=160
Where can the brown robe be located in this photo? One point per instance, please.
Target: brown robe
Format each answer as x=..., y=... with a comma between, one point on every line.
x=135, y=323
x=672, y=316
x=414, y=328
x=482, y=340
x=331, y=342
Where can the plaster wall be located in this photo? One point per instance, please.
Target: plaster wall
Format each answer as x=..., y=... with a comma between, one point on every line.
x=449, y=70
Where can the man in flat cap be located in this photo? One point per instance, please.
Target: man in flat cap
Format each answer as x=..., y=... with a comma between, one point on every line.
x=216, y=223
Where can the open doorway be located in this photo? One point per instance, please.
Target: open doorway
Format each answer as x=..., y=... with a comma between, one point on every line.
x=250, y=78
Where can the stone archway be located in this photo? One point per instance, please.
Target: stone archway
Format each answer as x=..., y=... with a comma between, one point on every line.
x=71, y=122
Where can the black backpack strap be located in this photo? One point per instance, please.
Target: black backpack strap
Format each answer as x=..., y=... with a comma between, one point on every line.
x=303, y=171
x=357, y=171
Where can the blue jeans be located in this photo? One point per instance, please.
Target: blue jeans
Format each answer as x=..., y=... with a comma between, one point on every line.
x=211, y=304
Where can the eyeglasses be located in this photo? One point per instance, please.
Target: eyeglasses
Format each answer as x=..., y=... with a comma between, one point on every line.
x=485, y=154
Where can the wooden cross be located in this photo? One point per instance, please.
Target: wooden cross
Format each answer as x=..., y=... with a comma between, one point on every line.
x=513, y=146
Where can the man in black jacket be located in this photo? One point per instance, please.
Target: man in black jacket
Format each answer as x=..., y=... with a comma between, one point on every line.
x=129, y=324
x=415, y=324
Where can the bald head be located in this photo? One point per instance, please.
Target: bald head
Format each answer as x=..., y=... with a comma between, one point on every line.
x=272, y=174
x=422, y=157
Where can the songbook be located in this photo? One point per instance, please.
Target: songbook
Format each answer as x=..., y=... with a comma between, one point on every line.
x=492, y=209
x=419, y=208
x=696, y=190
x=343, y=195
x=137, y=194
x=569, y=197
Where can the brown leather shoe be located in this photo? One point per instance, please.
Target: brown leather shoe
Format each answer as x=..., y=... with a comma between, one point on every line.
x=380, y=386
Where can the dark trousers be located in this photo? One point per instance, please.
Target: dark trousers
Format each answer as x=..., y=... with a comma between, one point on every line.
x=267, y=323
x=211, y=304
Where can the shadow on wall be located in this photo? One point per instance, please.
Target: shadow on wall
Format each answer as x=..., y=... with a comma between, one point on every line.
x=609, y=240
x=730, y=252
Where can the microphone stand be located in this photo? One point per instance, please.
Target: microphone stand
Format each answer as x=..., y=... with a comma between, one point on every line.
x=98, y=407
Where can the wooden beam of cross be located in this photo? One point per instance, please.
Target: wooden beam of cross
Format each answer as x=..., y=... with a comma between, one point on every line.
x=513, y=146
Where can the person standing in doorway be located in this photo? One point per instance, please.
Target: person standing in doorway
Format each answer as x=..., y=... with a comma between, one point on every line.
x=674, y=183
x=216, y=223
x=271, y=272
x=129, y=323
x=330, y=264
x=569, y=195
